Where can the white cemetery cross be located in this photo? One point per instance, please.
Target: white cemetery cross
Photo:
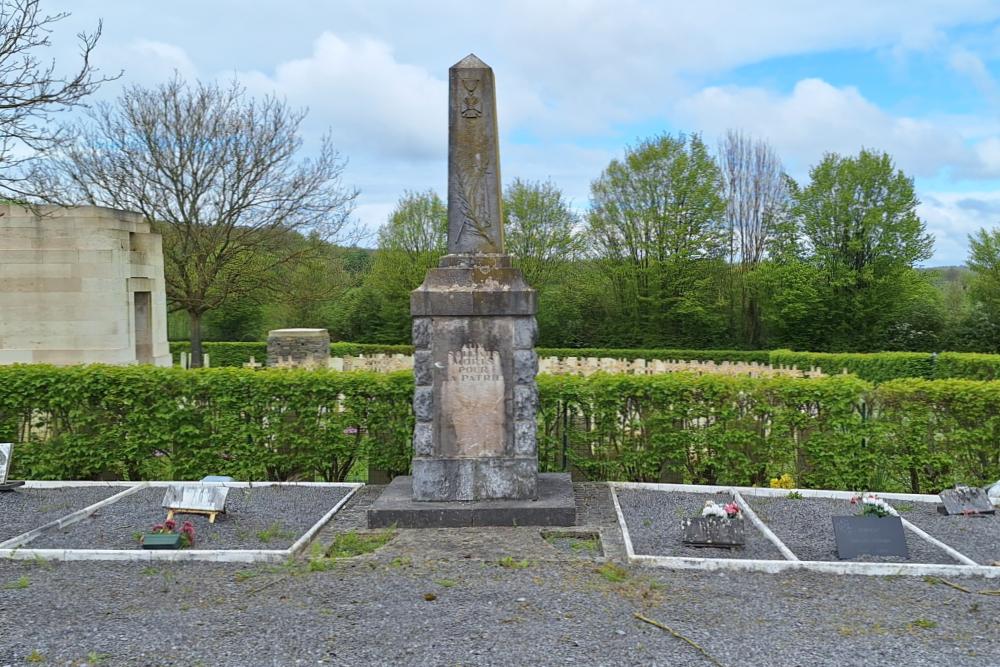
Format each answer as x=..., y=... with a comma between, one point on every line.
x=6, y=450
x=187, y=499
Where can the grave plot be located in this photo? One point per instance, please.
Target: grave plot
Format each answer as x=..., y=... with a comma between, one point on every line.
x=27, y=507
x=654, y=520
x=256, y=518
x=805, y=525
x=977, y=537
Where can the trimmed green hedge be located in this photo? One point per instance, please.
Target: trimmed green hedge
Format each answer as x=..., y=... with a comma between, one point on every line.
x=874, y=367
x=967, y=365
x=104, y=422
x=100, y=422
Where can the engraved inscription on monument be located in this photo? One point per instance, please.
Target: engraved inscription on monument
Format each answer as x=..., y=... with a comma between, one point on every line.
x=473, y=398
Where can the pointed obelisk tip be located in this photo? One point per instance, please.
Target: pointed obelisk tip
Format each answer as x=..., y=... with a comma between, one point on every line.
x=470, y=61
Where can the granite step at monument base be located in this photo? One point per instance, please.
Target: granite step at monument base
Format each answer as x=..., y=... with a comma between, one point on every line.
x=555, y=505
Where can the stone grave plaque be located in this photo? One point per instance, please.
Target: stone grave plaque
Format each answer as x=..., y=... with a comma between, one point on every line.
x=6, y=450
x=711, y=531
x=185, y=499
x=965, y=500
x=869, y=536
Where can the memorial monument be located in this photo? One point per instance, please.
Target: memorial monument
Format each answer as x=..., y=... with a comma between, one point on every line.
x=475, y=457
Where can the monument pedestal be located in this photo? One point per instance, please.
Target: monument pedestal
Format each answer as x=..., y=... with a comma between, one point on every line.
x=475, y=458
x=553, y=506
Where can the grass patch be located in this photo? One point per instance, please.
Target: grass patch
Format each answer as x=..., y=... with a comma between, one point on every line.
x=18, y=584
x=401, y=561
x=924, y=624
x=274, y=532
x=352, y=543
x=446, y=583
x=510, y=563
x=35, y=657
x=613, y=573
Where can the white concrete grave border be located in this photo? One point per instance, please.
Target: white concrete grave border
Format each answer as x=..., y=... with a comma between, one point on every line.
x=968, y=567
x=14, y=549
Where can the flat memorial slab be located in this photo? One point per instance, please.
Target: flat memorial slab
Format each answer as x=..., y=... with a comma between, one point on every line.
x=555, y=506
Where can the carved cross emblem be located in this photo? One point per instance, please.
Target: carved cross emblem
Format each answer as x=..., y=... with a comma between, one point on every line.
x=472, y=104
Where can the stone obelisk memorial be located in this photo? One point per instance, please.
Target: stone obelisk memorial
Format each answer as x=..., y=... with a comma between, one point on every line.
x=475, y=459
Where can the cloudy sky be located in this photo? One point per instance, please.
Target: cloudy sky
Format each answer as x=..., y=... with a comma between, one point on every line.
x=578, y=80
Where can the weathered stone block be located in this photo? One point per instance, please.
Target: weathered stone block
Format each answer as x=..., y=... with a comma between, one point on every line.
x=525, y=366
x=421, y=333
x=525, y=437
x=525, y=402
x=525, y=333
x=423, y=439
x=423, y=404
x=422, y=362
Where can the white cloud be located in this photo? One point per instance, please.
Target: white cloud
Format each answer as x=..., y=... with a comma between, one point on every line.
x=816, y=117
x=372, y=102
x=952, y=216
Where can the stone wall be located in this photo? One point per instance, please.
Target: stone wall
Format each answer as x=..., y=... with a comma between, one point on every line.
x=80, y=285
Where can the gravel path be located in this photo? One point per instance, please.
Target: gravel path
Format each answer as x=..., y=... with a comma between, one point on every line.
x=806, y=527
x=26, y=509
x=977, y=537
x=654, y=523
x=373, y=611
x=265, y=517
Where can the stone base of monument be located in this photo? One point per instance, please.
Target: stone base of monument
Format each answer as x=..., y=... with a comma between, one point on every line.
x=554, y=506
x=10, y=486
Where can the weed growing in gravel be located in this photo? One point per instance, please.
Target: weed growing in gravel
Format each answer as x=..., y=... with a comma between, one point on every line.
x=613, y=573
x=401, y=561
x=924, y=624
x=350, y=544
x=35, y=657
x=149, y=571
x=591, y=544
x=446, y=583
x=510, y=563
x=794, y=495
x=274, y=532
x=95, y=658
x=21, y=583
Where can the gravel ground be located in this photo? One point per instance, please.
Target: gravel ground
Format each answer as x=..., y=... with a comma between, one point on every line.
x=977, y=537
x=806, y=527
x=265, y=517
x=654, y=523
x=373, y=611
x=26, y=509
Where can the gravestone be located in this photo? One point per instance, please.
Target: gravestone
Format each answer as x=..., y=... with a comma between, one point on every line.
x=298, y=348
x=713, y=531
x=474, y=333
x=869, y=536
x=6, y=451
x=188, y=499
x=965, y=500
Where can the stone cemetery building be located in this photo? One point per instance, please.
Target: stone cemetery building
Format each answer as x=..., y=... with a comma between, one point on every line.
x=81, y=285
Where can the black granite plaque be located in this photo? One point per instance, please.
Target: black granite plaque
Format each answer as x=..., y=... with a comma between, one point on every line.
x=965, y=500
x=869, y=536
x=712, y=531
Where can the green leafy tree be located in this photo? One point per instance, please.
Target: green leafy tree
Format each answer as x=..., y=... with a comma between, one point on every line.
x=858, y=219
x=984, y=261
x=540, y=230
x=657, y=216
x=409, y=243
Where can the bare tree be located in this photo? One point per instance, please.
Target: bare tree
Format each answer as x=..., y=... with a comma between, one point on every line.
x=220, y=176
x=31, y=91
x=757, y=203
